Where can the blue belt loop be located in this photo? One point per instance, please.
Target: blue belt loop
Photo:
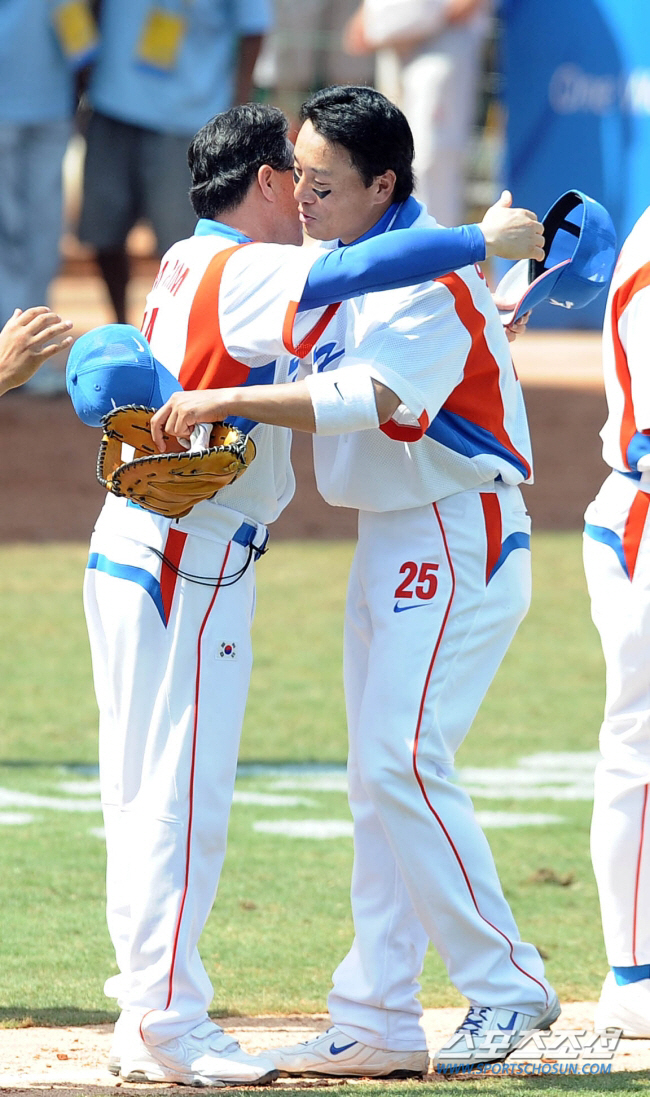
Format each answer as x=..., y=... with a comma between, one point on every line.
x=245, y=536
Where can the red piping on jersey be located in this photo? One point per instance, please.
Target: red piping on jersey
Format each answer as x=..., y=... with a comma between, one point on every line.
x=171, y=559
x=307, y=344
x=191, y=795
x=624, y=294
x=638, y=873
x=633, y=531
x=493, y=530
x=207, y=364
x=421, y=783
x=478, y=396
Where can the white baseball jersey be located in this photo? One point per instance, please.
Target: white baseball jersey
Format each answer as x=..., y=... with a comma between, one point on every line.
x=626, y=434
x=441, y=348
x=222, y=312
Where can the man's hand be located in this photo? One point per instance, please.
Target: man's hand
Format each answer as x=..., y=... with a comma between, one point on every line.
x=27, y=340
x=184, y=410
x=512, y=233
x=517, y=327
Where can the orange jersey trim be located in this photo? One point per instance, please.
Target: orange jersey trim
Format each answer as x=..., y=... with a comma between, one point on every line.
x=307, y=344
x=624, y=294
x=478, y=396
x=207, y=364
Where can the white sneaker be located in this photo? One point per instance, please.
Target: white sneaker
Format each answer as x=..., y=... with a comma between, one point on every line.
x=206, y=1056
x=336, y=1055
x=624, y=1007
x=490, y=1034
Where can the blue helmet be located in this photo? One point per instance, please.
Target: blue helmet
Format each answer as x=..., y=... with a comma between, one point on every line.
x=111, y=366
x=580, y=252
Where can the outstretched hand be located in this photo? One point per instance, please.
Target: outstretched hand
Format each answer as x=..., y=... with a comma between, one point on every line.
x=512, y=233
x=27, y=340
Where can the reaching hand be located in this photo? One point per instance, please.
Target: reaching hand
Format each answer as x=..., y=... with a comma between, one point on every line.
x=184, y=410
x=512, y=233
x=27, y=340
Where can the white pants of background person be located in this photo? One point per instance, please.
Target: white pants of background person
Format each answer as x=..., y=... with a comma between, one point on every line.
x=439, y=85
x=31, y=211
x=618, y=577
x=435, y=597
x=171, y=665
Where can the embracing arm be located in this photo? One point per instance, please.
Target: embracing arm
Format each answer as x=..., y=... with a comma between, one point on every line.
x=286, y=405
x=406, y=257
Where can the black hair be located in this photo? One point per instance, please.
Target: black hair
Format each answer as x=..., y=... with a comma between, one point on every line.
x=226, y=154
x=373, y=131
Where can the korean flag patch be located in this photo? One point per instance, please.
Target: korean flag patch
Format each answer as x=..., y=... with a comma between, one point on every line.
x=227, y=650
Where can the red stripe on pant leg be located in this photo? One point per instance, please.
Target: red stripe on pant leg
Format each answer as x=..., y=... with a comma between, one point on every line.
x=493, y=530
x=421, y=783
x=633, y=531
x=172, y=554
x=638, y=871
x=191, y=808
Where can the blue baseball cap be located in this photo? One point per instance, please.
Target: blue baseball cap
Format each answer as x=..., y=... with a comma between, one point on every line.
x=580, y=252
x=111, y=366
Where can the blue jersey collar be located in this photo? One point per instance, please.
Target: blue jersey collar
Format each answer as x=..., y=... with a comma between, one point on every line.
x=207, y=227
x=401, y=215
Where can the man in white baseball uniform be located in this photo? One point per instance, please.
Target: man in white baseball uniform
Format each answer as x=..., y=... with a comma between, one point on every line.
x=169, y=603
x=617, y=566
x=439, y=584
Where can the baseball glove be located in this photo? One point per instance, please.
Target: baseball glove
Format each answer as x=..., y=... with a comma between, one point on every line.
x=168, y=483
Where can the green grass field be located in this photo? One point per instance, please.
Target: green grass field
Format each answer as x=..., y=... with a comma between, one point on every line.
x=281, y=921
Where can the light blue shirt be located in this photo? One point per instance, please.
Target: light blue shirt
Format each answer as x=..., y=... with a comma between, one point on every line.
x=36, y=82
x=202, y=81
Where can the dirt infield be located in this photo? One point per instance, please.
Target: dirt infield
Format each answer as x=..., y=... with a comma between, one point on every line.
x=73, y=1060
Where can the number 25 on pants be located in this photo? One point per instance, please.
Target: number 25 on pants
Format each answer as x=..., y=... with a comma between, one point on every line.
x=420, y=581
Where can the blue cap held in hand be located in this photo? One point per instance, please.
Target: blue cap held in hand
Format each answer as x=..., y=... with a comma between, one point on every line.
x=579, y=257
x=111, y=366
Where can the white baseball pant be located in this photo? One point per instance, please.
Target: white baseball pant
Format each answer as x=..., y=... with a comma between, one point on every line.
x=435, y=596
x=617, y=566
x=171, y=665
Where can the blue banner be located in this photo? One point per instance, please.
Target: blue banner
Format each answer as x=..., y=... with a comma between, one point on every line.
x=577, y=101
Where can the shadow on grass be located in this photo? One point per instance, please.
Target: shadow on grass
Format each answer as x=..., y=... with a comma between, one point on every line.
x=56, y=1017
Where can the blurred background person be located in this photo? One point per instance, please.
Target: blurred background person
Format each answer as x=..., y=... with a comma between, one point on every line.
x=39, y=51
x=429, y=62
x=162, y=71
x=304, y=52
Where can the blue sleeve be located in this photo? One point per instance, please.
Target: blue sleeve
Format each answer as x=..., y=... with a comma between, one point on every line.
x=394, y=259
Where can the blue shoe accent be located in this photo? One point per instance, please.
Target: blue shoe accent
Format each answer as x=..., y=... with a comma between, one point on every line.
x=509, y=1027
x=337, y=1050
x=474, y=1019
